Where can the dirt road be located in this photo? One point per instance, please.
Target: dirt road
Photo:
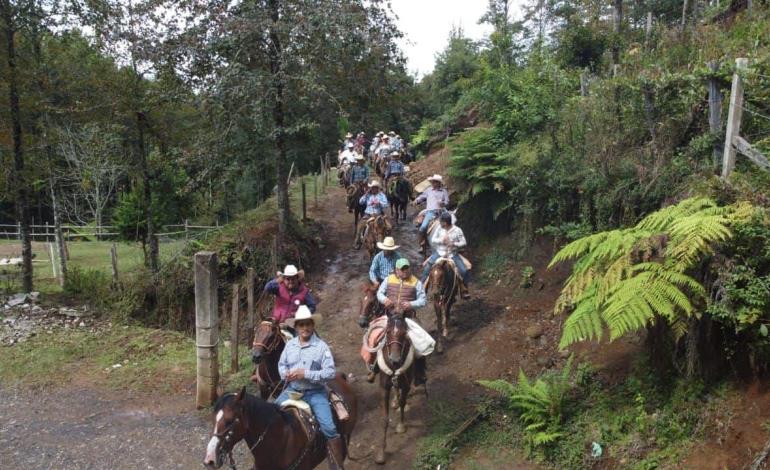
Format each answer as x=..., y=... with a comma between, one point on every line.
x=91, y=428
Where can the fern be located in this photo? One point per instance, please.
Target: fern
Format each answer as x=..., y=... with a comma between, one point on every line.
x=610, y=290
x=539, y=404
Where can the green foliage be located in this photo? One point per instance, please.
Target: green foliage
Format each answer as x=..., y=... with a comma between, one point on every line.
x=623, y=279
x=539, y=404
x=527, y=273
x=91, y=285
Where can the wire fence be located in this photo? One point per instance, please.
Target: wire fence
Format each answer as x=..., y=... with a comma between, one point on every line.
x=46, y=232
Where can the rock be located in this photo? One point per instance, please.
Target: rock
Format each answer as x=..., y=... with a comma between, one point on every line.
x=564, y=354
x=534, y=331
x=16, y=299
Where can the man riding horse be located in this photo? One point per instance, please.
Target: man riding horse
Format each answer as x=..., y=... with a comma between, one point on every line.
x=402, y=293
x=359, y=173
x=446, y=240
x=290, y=292
x=307, y=366
x=395, y=168
x=375, y=204
x=384, y=263
x=436, y=199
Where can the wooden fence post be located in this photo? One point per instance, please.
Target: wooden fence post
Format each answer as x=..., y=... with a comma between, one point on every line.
x=206, y=327
x=315, y=189
x=304, y=203
x=715, y=111
x=114, y=257
x=18, y=230
x=52, y=256
x=250, y=280
x=186, y=230
x=734, y=116
x=234, y=323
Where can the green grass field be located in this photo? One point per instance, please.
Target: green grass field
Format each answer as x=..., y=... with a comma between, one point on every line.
x=85, y=255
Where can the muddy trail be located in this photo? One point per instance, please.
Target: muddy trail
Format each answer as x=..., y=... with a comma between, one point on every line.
x=84, y=426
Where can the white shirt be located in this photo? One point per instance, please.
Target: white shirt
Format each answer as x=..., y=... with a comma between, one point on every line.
x=447, y=242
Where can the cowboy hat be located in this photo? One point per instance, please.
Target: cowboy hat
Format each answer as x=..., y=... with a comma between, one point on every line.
x=359, y=157
x=436, y=178
x=289, y=271
x=388, y=244
x=303, y=313
x=350, y=145
x=392, y=133
x=395, y=154
x=348, y=135
x=374, y=183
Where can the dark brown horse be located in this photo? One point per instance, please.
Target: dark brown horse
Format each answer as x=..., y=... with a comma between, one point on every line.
x=276, y=438
x=399, y=195
x=370, y=307
x=354, y=193
x=268, y=346
x=396, y=363
x=444, y=283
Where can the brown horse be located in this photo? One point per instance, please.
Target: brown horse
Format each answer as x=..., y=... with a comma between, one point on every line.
x=268, y=346
x=276, y=438
x=443, y=280
x=396, y=363
x=377, y=232
x=370, y=307
x=354, y=193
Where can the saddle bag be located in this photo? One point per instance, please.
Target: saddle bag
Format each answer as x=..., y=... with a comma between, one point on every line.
x=339, y=406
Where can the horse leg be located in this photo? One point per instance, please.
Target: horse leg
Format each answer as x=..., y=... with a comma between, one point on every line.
x=379, y=454
x=402, y=396
x=439, y=327
x=445, y=320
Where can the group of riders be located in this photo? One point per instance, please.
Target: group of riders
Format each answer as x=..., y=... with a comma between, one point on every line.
x=306, y=365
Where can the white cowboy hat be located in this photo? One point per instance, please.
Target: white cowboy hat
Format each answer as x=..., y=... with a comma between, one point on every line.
x=436, y=178
x=388, y=244
x=374, y=183
x=348, y=135
x=303, y=313
x=290, y=270
x=350, y=145
x=359, y=157
x=395, y=153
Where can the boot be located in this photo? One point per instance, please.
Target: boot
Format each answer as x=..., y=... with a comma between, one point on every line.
x=420, y=371
x=373, y=369
x=464, y=291
x=335, y=453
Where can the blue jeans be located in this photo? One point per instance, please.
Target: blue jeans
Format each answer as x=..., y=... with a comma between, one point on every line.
x=429, y=216
x=322, y=409
x=457, y=260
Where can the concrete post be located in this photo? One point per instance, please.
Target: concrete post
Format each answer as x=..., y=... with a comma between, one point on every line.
x=206, y=327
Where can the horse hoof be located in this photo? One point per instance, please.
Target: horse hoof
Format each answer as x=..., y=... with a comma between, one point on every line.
x=379, y=457
x=400, y=428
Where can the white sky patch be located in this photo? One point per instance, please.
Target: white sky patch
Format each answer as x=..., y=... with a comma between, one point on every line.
x=427, y=23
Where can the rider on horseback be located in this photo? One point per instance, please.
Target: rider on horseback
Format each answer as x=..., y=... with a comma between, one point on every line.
x=384, y=263
x=403, y=293
x=375, y=204
x=359, y=173
x=436, y=199
x=307, y=365
x=290, y=292
x=446, y=241
x=395, y=168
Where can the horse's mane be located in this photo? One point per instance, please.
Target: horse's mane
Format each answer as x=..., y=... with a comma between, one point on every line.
x=252, y=404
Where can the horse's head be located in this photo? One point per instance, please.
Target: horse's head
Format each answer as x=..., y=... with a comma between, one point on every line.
x=396, y=340
x=267, y=339
x=440, y=276
x=369, y=304
x=228, y=428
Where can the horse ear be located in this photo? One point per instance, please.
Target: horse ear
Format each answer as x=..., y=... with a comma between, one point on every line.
x=241, y=394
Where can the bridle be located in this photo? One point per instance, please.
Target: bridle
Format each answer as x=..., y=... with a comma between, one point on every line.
x=439, y=295
x=229, y=438
x=276, y=340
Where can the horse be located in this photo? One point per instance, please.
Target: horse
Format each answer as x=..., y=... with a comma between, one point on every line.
x=399, y=195
x=395, y=360
x=370, y=306
x=445, y=285
x=377, y=232
x=276, y=437
x=354, y=193
x=269, y=342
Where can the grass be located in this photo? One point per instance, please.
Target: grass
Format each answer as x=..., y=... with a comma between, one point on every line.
x=85, y=255
x=150, y=360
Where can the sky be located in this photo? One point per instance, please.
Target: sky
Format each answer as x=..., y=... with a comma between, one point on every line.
x=426, y=25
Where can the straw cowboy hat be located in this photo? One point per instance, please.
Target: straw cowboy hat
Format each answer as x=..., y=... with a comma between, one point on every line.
x=436, y=178
x=348, y=135
x=359, y=157
x=374, y=183
x=395, y=154
x=303, y=313
x=388, y=244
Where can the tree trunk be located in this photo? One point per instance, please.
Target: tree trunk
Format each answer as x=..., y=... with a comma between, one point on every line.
x=275, y=51
x=617, y=20
x=58, y=236
x=18, y=176
x=151, y=257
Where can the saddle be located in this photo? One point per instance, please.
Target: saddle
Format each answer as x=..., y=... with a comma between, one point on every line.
x=304, y=413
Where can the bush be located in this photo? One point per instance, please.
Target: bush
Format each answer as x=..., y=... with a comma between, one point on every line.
x=92, y=285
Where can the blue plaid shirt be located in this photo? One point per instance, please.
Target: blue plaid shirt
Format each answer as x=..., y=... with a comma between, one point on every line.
x=314, y=357
x=395, y=167
x=359, y=173
x=383, y=265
